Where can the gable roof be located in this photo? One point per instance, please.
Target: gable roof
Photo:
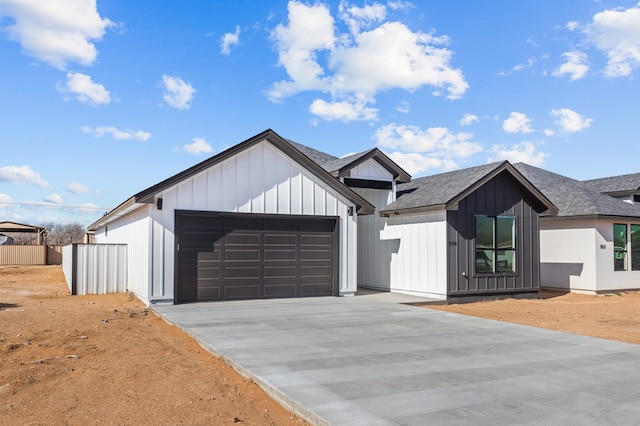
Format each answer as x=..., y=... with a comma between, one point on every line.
x=574, y=198
x=446, y=190
x=341, y=166
x=291, y=149
x=615, y=185
x=8, y=226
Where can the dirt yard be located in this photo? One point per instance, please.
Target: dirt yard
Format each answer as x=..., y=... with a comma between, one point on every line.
x=107, y=360
x=614, y=317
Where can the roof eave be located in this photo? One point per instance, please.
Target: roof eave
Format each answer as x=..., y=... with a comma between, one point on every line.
x=413, y=210
x=129, y=205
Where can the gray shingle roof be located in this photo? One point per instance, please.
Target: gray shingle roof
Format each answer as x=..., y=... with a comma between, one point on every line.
x=438, y=190
x=442, y=190
x=338, y=163
x=334, y=164
x=318, y=157
x=624, y=184
x=575, y=198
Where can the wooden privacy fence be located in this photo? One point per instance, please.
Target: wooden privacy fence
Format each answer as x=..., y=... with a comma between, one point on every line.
x=30, y=255
x=95, y=268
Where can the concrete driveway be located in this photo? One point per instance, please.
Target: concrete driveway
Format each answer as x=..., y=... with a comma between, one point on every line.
x=366, y=361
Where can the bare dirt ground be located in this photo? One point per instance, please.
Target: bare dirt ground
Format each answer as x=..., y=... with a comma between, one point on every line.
x=74, y=360
x=614, y=317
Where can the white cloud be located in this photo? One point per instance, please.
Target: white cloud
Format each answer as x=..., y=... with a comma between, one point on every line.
x=310, y=30
x=572, y=25
x=372, y=56
x=361, y=17
x=342, y=111
x=404, y=107
x=404, y=6
x=77, y=188
x=517, y=123
x=87, y=91
x=530, y=62
x=56, y=31
x=524, y=152
x=21, y=174
x=177, y=92
x=468, y=119
x=117, y=133
x=576, y=65
x=228, y=40
x=548, y=132
x=439, y=142
x=569, y=120
x=5, y=201
x=616, y=32
x=54, y=198
x=415, y=163
x=197, y=146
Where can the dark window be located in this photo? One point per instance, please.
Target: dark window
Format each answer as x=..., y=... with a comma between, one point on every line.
x=619, y=247
x=495, y=244
x=636, y=198
x=635, y=247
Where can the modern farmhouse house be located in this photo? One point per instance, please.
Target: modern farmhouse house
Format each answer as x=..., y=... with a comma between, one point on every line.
x=593, y=244
x=272, y=218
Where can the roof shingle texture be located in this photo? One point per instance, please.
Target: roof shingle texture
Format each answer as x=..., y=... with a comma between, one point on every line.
x=575, y=198
x=625, y=183
x=438, y=189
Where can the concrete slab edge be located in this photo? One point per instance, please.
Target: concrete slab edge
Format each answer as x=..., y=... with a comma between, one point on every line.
x=281, y=398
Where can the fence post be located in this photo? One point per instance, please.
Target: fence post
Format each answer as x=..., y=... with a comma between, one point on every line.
x=74, y=269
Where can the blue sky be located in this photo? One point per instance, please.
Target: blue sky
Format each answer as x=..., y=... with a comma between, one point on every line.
x=101, y=100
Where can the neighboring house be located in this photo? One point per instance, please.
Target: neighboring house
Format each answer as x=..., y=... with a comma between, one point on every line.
x=463, y=234
x=272, y=218
x=593, y=244
x=624, y=187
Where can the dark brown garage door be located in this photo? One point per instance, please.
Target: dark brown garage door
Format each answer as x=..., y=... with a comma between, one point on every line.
x=222, y=256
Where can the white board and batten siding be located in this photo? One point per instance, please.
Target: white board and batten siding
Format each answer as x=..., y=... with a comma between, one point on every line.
x=405, y=254
x=260, y=179
x=577, y=256
x=371, y=170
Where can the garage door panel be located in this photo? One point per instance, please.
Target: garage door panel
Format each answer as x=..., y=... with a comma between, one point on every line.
x=316, y=271
x=241, y=272
x=242, y=255
x=280, y=255
x=279, y=290
x=209, y=292
x=314, y=289
x=315, y=240
x=246, y=256
x=208, y=272
x=316, y=254
x=280, y=271
x=279, y=239
x=246, y=291
x=242, y=239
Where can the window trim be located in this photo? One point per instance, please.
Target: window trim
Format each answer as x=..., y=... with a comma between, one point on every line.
x=625, y=260
x=634, y=266
x=515, y=248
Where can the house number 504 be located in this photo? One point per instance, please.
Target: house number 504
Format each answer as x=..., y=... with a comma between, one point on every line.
x=452, y=244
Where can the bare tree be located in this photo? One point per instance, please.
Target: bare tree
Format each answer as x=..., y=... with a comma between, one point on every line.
x=62, y=234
